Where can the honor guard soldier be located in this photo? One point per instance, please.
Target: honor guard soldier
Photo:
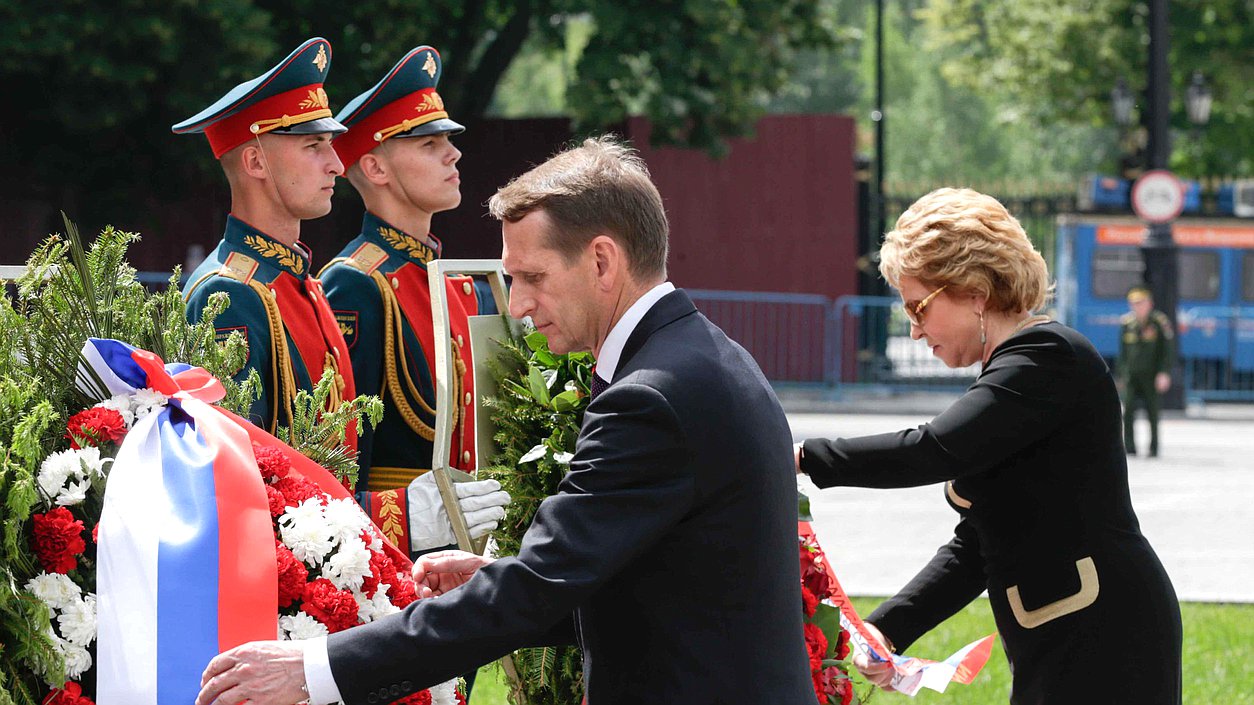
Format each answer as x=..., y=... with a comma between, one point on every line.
x=1147, y=354
x=272, y=136
x=400, y=159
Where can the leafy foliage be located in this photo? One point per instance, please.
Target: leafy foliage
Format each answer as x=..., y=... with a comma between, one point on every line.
x=537, y=416
x=1061, y=60
x=319, y=434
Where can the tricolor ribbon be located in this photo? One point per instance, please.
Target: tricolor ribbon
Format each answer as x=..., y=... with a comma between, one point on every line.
x=186, y=561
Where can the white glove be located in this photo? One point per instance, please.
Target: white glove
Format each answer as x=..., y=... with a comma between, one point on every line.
x=483, y=502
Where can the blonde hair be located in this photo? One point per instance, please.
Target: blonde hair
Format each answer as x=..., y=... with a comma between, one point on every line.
x=599, y=186
x=969, y=242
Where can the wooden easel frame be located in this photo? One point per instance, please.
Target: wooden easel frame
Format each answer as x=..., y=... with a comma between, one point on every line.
x=437, y=272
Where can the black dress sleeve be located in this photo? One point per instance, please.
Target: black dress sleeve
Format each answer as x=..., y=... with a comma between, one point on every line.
x=1021, y=397
x=952, y=579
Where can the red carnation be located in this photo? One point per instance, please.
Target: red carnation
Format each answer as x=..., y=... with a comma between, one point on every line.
x=809, y=603
x=272, y=463
x=403, y=591
x=816, y=645
x=95, y=533
x=70, y=694
x=422, y=697
x=277, y=502
x=461, y=699
x=335, y=608
x=296, y=490
x=292, y=575
x=381, y=571
x=57, y=540
x=95, y=427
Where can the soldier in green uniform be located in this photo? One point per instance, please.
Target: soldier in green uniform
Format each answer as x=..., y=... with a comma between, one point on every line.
x=400, y=159
x=272, y=136
x=1147, y=354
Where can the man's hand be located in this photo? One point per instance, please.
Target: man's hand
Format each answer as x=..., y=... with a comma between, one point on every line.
x=1162, y=382
x=437, y=573
x=879, y=673
x=482, y=502
x=260, y=672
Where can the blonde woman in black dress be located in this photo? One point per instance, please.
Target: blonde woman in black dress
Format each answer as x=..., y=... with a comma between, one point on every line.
x=1031, y=458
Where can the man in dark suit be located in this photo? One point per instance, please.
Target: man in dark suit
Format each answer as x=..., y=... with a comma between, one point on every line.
x=669, y=553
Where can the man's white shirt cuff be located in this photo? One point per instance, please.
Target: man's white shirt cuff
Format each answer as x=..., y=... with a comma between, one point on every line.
x=318, y=678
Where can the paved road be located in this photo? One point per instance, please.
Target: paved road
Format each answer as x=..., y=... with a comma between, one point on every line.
x=1195, y=502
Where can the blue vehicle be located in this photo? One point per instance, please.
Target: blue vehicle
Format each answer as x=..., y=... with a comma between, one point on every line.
x=1099, y=259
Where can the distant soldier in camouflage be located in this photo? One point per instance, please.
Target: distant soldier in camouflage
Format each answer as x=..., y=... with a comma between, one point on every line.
x=1147, y=354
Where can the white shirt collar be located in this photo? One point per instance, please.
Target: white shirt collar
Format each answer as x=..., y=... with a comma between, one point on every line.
x=612, y=349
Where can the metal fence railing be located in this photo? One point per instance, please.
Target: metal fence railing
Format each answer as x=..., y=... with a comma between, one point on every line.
x=1226, y=371
x=875, y=350
x=790, y=335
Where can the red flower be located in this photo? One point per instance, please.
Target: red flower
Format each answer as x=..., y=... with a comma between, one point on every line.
x=813, y=569
x=837, y=685
x=296, y=490
x=292, y=575
x=95, y=533
x=272, y=463
x=842, y=644
x=57, y=540
x=276, y=500
x=69, y=694
x=461, y=699
x=95, y=427
x=403, y=591
x=809, y=603
x=334, y=607
x=816, y=645
x=422, y=697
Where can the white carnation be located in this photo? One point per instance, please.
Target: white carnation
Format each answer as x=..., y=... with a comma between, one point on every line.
x=120, y=403
x=146, y=400
x=563, y=458
x=301, y=626
x=349, y=567
x=56, y=469
x=304, y=530
x=77, y=659
x=77, y=621
x=54, y=590
x=346, y=519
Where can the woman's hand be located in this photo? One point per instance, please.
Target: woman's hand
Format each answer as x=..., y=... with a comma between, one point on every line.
x=796, y=456
x=879, y=673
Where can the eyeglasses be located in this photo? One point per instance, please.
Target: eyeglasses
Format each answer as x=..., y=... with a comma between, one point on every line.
x=914, y=309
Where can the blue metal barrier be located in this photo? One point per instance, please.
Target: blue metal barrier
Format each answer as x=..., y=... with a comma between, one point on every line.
x=1229, y=377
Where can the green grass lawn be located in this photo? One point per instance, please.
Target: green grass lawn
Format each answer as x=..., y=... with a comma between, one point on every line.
x=1218, y=658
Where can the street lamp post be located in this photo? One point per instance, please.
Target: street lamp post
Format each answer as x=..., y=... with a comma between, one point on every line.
x=1159, y=251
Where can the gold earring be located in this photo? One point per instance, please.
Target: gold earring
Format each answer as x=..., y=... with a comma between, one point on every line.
x=983, y=333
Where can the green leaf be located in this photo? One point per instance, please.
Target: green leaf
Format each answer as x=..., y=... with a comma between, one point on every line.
x=827, y=619
x=536, y=341
x=566, y=401
x=803, y=507
x=539, y=388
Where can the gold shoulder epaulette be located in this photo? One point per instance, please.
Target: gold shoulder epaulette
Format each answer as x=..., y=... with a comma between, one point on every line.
x=368, y=257
x=239, y=266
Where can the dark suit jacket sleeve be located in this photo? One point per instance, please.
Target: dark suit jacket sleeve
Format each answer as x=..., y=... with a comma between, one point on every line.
x=629, y=483
x=951, y=580
x=1020, y=398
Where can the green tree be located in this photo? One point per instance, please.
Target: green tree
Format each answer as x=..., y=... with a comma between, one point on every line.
x=1062, y=58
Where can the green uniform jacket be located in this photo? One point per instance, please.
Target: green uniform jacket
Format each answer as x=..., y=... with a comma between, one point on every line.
x=379, y=291
x=282, y=313
x=1145, y=349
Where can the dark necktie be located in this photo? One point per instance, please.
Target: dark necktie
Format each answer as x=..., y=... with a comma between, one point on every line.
x=598, y=385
